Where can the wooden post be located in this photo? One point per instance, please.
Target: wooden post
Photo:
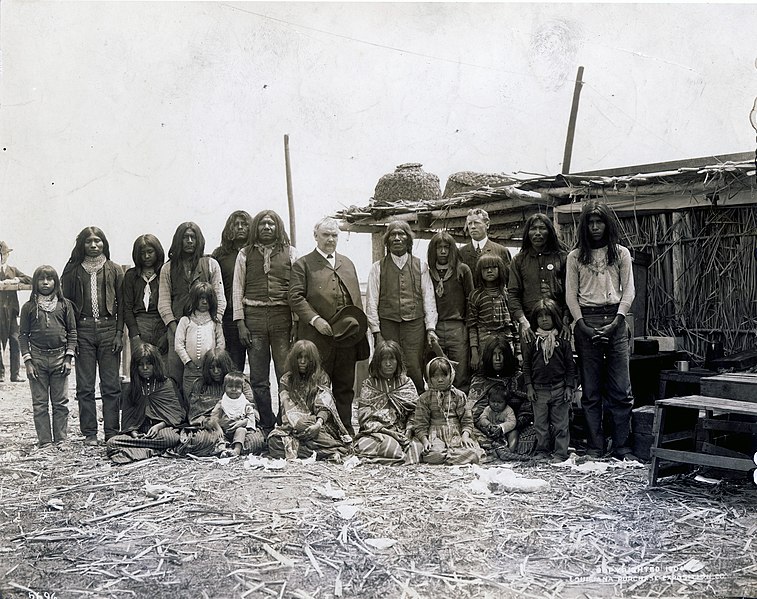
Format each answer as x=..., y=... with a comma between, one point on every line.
x=290, y=193
x=572, y=123
x=377, y=246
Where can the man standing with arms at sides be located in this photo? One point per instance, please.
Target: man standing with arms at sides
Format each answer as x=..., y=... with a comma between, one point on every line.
x=262, y=277
x=477, y=226
x=234, y=238
x=9, y=315
x=400, y=301
x=324, y=283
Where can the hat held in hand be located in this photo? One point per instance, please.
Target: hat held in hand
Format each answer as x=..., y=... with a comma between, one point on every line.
x=349, y=326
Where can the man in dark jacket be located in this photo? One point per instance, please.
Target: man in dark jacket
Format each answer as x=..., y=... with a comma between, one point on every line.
x=9, y=314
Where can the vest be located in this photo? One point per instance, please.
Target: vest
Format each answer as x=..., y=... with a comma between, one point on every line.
x=400, y=296
x=271, y=287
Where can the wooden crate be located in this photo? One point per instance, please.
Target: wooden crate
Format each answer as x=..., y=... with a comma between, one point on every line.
x=738, y=386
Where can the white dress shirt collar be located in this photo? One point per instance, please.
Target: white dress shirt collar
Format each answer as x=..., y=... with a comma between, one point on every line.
x=331, y=260
x=400, y=261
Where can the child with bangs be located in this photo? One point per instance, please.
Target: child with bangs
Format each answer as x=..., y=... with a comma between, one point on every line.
x=198, y=333
x=48, y=344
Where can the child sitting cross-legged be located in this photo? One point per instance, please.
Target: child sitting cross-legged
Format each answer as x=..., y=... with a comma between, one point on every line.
x=498, y=422
x=235, y=418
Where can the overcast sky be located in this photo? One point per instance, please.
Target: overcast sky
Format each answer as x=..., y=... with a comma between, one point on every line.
x=138, y=116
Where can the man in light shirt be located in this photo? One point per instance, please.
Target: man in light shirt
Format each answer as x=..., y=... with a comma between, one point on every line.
x=400, y=301
x=599, y=290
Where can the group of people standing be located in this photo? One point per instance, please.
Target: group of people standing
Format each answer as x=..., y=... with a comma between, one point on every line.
x=471, y=348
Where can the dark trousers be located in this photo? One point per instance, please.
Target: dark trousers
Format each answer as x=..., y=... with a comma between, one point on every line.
x=50, y=388
x=15, y=351
x=551, y=408
x=270, y=329
x=453, y=339
x=95, y=352
x=411, y=336
x=237, y=351
x=339, y=364
x=606, y=384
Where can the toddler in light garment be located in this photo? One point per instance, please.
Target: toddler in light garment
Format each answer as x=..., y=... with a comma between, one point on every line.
x=234, y=417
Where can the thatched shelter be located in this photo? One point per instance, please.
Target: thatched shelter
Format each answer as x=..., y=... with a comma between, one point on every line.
x=694, y=220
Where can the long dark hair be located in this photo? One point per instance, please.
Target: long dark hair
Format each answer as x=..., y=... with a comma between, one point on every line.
x=227, y=236
x=148, y=239
x=391, y=348
x=78, y=253
x=305, y=384
x=399, y=224
x=553, y=243
x=215, y=357
x=454, y=253
x=45, y=270
x=174, y=252
x=509, y=364
x=206, y=290
x=591, y=208
x=491, y=260
x=281, y=239
x=145, y=351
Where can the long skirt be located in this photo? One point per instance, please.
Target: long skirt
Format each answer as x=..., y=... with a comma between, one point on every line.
x=379, y=448
x=283, y=445
x=123, y=449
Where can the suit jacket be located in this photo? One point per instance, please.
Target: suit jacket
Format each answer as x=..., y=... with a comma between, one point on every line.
x=469, y=257
x=9, y=299
x=314, y=291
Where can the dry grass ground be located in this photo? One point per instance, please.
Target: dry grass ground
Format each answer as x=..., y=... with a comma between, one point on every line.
x=74, y=525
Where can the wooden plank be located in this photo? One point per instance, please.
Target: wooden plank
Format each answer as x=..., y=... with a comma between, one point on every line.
x=729, y=426
x=702, y=459
x=677, y=436
x=703, y=402
x=712, y=449
x=741, y=386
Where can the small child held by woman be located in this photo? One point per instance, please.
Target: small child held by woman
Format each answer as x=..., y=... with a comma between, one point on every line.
x=235, y=418
x=48, y=343
x=488, y=313
x=498, y=421
x=198, y=333
x=442, y=422
x=549, y=373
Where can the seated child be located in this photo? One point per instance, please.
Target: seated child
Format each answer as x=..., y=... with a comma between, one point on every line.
x=442, y=421
x=498, y=421
x=234, y=417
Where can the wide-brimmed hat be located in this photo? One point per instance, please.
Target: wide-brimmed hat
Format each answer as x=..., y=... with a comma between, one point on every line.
x=349, y=326
x=4, y=248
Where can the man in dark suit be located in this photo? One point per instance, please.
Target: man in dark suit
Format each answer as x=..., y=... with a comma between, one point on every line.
x=322, y=283
x=9, y=310
x=477, y=226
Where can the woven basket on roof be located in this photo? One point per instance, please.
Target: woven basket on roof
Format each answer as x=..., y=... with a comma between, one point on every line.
x=467, y=180
x=408, y=182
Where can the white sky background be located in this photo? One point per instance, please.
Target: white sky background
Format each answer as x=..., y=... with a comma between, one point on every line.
x=138, y=116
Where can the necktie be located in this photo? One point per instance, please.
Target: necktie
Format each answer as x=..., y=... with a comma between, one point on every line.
x=478, y=251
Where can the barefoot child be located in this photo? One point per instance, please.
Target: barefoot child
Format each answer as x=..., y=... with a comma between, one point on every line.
x=549, y=373
x=498, y=421
x=310, y=421
x=442, y=422
x=151, y=412
x=198, y=333
x=234, y=417
x=48, y=342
